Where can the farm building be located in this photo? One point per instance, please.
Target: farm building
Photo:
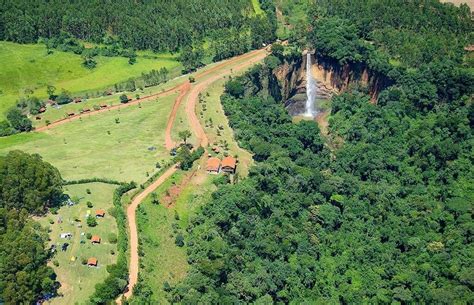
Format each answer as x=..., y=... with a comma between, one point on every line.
x=213, y=165
x=100, y=213
x=229, y=165
x=92, y=262
x=95, y=239
x=41, y=110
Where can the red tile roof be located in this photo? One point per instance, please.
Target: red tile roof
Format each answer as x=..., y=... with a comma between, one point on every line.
x=213, y=164
x=229, y=162
x=95, y=239
x=100, y=213
x=92, y=261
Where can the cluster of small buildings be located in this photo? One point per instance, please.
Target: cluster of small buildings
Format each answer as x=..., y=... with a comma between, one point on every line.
x=226, y=165
x=95, y=239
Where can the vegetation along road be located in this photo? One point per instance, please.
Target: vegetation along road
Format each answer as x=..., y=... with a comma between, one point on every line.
x=216, y=73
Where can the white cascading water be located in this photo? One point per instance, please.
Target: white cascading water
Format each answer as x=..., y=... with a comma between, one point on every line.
x=310, y=89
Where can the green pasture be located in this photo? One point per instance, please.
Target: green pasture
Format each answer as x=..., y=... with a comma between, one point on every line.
x=98, y=146
x=78, y=281
x=163, y=261
x=28, y=68
x=57, y=113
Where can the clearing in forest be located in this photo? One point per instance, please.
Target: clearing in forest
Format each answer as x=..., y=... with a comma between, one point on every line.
x=77, y=280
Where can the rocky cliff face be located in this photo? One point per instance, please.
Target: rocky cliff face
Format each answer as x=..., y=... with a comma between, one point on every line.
x=331, y=78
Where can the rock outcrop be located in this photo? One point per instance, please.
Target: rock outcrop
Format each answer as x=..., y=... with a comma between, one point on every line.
x=331, y=78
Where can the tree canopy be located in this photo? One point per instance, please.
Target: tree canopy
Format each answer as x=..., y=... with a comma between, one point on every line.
x=384, y=217
x=27, y=182
x=27, y=185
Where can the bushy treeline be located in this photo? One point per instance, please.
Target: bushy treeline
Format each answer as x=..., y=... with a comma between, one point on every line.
x=157, y=25
x=386, y=216
x=28, y=186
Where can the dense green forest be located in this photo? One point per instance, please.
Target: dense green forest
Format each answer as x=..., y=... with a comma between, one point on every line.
x=157, y=25
x=387, y=217
x=28, y=186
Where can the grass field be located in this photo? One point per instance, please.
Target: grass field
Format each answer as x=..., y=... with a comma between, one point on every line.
x=217, y=137
x=163, y=260
x=78, y=281
x=97, y=146
x=29, y=67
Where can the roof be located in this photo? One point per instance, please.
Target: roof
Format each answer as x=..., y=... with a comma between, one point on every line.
x=95, y=239
x=213, y=164
x=100, y=212
x=92, y=261
x=229, y=162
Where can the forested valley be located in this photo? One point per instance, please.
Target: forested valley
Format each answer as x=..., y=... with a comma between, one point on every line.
x=387, y=216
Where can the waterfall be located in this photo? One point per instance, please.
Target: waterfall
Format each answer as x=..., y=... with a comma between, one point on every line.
x=310, y=89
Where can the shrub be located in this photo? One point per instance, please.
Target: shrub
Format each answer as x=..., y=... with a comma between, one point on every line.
x=112, y=238
x=91, y=221
x=179, y=240
x=88, y=235
x=88, y=191
x=83, y=260
x=89, y=204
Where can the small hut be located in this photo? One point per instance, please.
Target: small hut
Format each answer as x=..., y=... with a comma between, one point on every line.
x=92, y=262
x=100, y=213
x=95, y=239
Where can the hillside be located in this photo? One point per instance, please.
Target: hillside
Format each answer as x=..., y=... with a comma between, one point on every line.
x=27, y=69
x=177, y=152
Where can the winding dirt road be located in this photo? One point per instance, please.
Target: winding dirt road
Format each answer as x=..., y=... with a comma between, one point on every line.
x=192, y=93
x=132, y=223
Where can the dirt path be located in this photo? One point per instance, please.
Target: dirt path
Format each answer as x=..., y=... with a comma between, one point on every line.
x=194, y=94
x=118, y=106
x=185, y=88
x=132, y=224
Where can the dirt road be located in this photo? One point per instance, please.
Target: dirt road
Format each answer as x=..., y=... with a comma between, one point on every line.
x=184, y=89
x=132, y=224
x=221, y=70
x=119, y=106
x=193, y=97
